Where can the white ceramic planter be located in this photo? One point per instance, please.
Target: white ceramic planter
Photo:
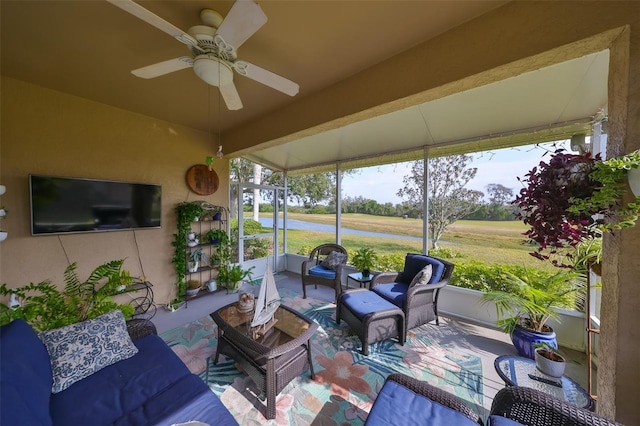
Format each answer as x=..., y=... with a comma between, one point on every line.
x=191, y=292
x=634, y=181
x=3, y=235
x=193, y=266
x=549, y=367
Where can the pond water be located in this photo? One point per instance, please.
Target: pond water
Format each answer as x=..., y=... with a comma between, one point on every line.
x=310, y=226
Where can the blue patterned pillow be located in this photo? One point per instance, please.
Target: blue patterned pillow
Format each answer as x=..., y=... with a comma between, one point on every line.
x=79, y=350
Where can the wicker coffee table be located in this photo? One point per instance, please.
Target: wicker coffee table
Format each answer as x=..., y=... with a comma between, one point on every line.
x=273, y=360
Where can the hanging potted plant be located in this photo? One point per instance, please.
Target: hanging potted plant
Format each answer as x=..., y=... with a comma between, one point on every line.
x=574, y=197
x=524, y=311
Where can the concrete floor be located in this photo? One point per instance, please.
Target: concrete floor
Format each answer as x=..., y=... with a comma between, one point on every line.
x=486, y=343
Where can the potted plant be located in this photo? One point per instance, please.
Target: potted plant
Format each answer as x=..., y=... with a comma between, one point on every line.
x=364, y=260
x=46, y=307
x=189, y=211
x=523, y=311
x=195, y=258
x=216, y=236
x=588, y=255
x=572, y=197
x=232, y=275
x=548, y=360
x=193, y=287
x=606, y=198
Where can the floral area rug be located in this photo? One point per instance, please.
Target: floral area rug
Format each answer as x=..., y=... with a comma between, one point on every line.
x=346, y=382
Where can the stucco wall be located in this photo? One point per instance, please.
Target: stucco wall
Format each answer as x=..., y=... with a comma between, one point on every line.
x=46, y=132
x=51, y=133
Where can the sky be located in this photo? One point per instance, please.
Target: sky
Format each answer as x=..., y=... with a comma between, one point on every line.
x=501, y=166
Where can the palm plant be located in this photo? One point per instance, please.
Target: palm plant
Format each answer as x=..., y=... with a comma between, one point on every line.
x=533, y=298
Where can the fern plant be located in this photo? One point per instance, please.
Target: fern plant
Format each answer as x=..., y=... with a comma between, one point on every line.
x=46, y=307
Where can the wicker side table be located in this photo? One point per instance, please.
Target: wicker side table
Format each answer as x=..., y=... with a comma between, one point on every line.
x=275, y=359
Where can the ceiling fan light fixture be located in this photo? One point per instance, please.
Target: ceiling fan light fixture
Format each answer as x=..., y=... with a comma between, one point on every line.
x=212, y=70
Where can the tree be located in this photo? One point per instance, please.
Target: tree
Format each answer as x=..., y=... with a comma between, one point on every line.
x=449, y=200
x=500, y=198
x=499, y=194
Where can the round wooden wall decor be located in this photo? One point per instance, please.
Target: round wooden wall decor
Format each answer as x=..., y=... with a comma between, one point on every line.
x=202, y=181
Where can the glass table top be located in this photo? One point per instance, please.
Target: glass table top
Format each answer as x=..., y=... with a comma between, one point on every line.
x=289, y=324
x=519, y=371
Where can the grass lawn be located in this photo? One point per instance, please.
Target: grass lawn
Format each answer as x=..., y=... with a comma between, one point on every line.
x=490, y=242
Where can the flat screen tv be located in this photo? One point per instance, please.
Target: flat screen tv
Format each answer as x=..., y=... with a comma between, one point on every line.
x=63, y=205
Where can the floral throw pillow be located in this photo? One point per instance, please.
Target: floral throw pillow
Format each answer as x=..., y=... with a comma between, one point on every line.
x=333, y=260
x=422, y=277
x=79, y=350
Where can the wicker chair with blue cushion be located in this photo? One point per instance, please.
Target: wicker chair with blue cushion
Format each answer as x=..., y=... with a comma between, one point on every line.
x=413, y=290
x=532, y=407
x=324, y=267
x=404, y=400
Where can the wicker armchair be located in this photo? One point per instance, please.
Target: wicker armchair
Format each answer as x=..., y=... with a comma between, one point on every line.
x=532, y=407
x=419, y=303
x=313, y=273
x=391, y=407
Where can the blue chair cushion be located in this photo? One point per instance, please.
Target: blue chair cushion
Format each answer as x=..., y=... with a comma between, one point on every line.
x=395, y=293
x=321, y=271
x=413, y=263
x=26, y=378
x=501, y=421
x=362, y=303
x=399, y=406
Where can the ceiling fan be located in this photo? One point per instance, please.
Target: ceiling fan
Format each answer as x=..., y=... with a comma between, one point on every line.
x=213, y=48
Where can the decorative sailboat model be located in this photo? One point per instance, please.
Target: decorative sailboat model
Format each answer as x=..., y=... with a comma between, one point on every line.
x=266, y=305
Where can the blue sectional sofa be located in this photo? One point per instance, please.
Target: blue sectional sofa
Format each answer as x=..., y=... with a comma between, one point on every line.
x=152, y=387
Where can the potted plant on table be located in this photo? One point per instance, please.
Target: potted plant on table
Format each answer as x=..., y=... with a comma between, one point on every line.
x=548, y=360
x=364, y=260
x=232, y=275
x=524, y=311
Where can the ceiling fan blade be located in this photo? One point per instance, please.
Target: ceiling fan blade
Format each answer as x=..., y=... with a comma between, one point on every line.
x=231, y=97
x=242, y=21
x=267, y=78
x=136, y=10
x=162, y=68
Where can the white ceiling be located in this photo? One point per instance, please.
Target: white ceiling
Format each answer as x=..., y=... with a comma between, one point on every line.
x=548, y=104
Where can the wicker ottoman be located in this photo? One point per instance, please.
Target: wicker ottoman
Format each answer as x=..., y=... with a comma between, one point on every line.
x=370, y=316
